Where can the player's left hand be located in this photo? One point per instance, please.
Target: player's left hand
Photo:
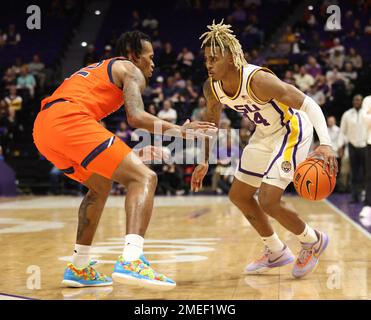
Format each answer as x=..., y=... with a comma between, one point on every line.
x=150, y=153
x=329, y=158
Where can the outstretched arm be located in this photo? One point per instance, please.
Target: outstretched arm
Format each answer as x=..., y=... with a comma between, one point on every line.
x=134, y=83
x=213, y=113
x=267, y=86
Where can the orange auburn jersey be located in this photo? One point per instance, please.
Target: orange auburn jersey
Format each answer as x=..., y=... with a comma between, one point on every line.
x=92, y=88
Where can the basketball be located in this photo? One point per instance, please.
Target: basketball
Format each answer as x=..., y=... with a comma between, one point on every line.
x=311, y=182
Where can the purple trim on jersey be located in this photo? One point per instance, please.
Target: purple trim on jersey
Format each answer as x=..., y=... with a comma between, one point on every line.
x=251, y=173
x=277, y=108
x=281, y=150
x=291, y=111
x=299, y=140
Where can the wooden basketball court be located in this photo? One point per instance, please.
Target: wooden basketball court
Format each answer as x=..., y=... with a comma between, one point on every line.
x=202, y=242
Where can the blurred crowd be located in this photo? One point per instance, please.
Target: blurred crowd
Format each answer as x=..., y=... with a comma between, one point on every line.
x=329, y=69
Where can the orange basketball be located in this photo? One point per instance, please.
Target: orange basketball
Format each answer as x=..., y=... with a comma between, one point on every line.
x=311, y=182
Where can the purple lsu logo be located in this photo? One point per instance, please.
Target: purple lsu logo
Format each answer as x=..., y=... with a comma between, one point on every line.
x=246, y=109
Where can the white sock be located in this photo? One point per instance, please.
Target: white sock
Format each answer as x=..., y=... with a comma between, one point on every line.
x=81, y=256
x=273, y=242
x=308, y=235
x=133, y=247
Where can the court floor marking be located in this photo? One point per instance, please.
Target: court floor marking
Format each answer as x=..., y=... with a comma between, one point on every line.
x=347, y=218
x=7, y=296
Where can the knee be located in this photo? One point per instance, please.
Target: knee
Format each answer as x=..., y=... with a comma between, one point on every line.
x=268, y=205
x=239, y=199
x=150, y=178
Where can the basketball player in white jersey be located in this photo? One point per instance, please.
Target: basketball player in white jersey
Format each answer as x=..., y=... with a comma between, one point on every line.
x=284, y=118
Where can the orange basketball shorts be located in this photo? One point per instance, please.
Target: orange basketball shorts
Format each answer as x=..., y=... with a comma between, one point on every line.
x=75, y=142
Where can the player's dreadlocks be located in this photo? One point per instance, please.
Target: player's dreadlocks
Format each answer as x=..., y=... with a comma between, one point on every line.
x=221, y=35
x=130, y=41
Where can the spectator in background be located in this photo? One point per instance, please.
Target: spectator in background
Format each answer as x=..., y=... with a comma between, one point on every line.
x=227, y=154
x=367, y=29
x=350, y=75
x=26, y=81
x=289, y=77
x=168, y=113
x=255, y=58
x=317, y=95
x=9, y=78
x=252, y=28
x=152, y=109
x=107, y=52
x=170, y=88
x=12, y=37
x=354, y=58
x=334, y=133
x=55, y=179
x=312, y=67
x=124, y=133
x=168, y=58
x=2, y=39
x=180, y=83
x=303, y=80
x=13, y=100
x=17, y=66
x=157, y=93
x=36, y=67
x=336, y=47
x=190, y=91
x=90, y=55
x=354, y=130
x=337, y=60
x=298, y=46
x=150, y=24
x=135, y=20
x=185, y=58
x=199, y=110
x=335, y=77
x=171, y=180
x=238, y=16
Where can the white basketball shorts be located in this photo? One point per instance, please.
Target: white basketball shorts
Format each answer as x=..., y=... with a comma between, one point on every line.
x=272, y=159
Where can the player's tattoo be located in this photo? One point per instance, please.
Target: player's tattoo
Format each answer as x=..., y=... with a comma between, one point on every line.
x=134, y=83
x=249, y=217
x=84, y=221
x=214, y=107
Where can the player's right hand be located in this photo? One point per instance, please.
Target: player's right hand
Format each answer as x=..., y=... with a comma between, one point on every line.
x=201, y=129
x=198, y=176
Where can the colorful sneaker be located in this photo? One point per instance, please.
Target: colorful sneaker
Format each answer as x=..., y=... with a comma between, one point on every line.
x=309, y=255
x=139, y=272
x=270, y=260
x=87, y=277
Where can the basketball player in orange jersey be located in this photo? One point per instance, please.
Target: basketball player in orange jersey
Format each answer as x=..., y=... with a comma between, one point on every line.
x=284, y=118
x=67, y=133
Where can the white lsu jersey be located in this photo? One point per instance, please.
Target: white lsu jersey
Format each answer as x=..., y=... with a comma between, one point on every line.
x=282, y=137
x=269, y=116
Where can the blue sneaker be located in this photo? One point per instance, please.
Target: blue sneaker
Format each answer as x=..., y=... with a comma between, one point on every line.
x=87, y=277
x=139, y=272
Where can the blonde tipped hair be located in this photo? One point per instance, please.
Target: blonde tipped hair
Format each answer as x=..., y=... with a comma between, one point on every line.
x=221, y=35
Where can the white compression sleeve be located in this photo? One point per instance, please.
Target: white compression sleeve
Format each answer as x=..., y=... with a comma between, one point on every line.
x=315, y=115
